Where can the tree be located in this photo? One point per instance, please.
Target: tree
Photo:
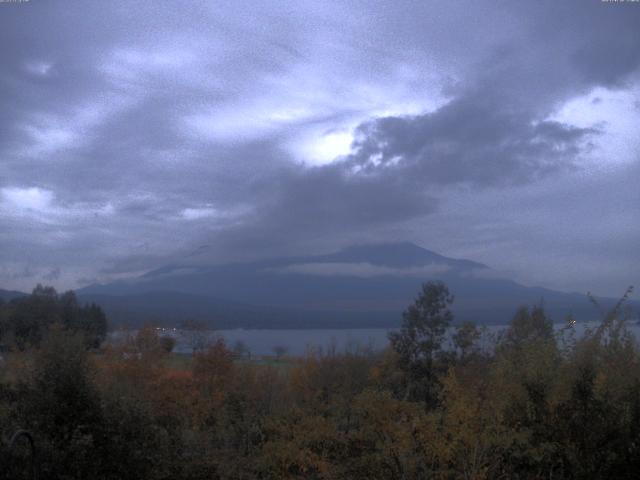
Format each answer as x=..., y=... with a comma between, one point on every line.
x=61, y=406
x=195, y=334
x=213, y=367
x=25, y=321
x=240, y=349
x=528, y=326
x=167, y=343
x=89, y=320
x=419, y=341
x=92, y=323
x=147, y=340
x=465, y=339
x=280, y=351
x=28, y=318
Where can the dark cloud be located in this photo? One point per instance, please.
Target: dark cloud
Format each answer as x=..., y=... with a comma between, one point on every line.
x=135, y=132
x=52, y=275
x=468, y=141
x=608, y=51
x=327, y=202
x=132, y=263
x=27, y=272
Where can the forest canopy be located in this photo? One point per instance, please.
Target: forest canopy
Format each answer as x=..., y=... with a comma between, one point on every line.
x=530, y=403
x=25, y=321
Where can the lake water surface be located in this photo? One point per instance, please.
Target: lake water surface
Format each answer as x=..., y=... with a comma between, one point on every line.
x=298, y=342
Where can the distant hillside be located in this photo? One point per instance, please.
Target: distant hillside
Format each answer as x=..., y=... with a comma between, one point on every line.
x=7, y=295
x=360, y=286
x=171, y=308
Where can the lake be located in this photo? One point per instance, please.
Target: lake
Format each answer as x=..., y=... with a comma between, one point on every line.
x=297, y=342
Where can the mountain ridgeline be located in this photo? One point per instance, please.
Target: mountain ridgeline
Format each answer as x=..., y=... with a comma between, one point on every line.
x=360, y=286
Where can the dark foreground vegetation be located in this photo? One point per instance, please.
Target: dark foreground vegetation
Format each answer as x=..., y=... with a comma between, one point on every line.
x=538, y=404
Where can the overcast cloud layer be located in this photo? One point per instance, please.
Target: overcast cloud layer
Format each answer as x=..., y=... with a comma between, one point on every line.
x=136, y=134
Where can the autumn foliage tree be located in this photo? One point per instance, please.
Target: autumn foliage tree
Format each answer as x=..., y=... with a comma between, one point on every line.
x=538, y=403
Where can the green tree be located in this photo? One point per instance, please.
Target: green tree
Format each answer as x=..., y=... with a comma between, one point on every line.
x=419, y=341
x=61, y=405
x=89, y=320
x=28, y=318
x=528, y=326
x=24, y=322
x=465, y=339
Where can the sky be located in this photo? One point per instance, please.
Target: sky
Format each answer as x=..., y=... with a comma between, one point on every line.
x=139, y=134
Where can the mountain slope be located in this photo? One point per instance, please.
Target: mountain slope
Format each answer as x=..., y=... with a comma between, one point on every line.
x=359, y=286
x=7, y=295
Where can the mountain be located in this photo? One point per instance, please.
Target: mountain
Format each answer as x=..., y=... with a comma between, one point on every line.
x=7, y=295
x=360, y=286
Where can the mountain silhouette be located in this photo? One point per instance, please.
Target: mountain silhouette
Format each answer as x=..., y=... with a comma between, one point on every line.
x=359, y=286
